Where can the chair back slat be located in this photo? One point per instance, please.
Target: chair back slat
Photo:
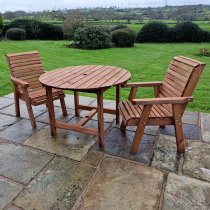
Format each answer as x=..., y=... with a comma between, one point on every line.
x=26, y=66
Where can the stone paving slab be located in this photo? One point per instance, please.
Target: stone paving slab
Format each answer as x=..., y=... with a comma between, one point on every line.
x=7, y=121
x=165, y=153
x=8, y=191
x=191, y=118
x=197, y=160
x=57, y=187
x=186, y=193
x=205, y=126
x=20, y=131
x=4, y=102
x=93, y=158
x=58, y=115
x=20, y=163
x=118, y=143
x=73, y=145
x=190, y=131
x=69, y=99
x=10, y=95
x=37, y=110
x=12, y=207
x=120, y=184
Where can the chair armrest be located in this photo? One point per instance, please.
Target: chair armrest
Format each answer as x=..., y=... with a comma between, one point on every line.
x=169, y=100
x=142, y=84
x=19, y=82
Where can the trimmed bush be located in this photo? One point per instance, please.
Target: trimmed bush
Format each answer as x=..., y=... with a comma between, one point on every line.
x=36, y=29
x=187, y=32
x=119, y=26
x=153, y=32
x=124, y=37
x=91, y=37
x=1, y=25
x=16, y=34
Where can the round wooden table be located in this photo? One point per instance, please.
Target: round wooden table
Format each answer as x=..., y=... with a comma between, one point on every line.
x=91, y=79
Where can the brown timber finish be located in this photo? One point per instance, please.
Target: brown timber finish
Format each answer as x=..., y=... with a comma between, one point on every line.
x=91, y=79
x=171, y=98
x=25, y=69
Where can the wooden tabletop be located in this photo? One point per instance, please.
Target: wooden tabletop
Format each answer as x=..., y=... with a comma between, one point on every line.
x=85, y=77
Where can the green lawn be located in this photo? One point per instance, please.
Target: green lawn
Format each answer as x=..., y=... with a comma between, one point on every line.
x=146, y=62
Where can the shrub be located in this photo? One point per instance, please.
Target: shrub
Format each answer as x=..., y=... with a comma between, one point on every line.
x=1, y=25
x=119, y=26
x=204, y=52
x=154, y=32
x=36, y=29
x=187, y=32
x=91, y=37
x=124, y=37
x=16, y=34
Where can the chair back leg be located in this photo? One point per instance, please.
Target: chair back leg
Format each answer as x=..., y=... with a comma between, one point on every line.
x=63, y=106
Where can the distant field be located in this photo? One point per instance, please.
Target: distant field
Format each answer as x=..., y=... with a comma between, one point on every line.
x=146, y=62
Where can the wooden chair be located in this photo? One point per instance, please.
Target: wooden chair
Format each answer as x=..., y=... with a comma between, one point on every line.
x=171, y=98
x=25, y=69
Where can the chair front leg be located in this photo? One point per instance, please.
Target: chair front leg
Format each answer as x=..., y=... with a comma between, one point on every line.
x=177, y=112
x=29, y=107
x=63, y=106
x=140, y=129
x=123, y=126
x=17, y=101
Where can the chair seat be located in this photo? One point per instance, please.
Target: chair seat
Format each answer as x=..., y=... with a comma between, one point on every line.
x=39, y=95
x=130, y=111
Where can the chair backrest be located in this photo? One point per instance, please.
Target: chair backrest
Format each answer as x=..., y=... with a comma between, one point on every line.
x=26, y=66
x=181, y=78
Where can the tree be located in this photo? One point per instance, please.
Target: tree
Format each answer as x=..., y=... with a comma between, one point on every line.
x=72, y=22
x=1, y=25
x=9, y=15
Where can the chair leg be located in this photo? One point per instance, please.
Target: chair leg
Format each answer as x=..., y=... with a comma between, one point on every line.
x=123, y=126
x=178, y=128
x=17, y=103
x=140, y=129
x=76, y=103
x=29, y=108
x=162, y=126
x=63, y=106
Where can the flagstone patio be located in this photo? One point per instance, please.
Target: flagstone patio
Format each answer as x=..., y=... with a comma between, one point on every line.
x=39, y=172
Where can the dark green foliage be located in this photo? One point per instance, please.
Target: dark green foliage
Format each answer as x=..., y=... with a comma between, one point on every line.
x=119, y=26
x=16, y=34
x=91, y=37
x=36, y=29
x=187, y=32
x=123, y=37
x=154, y=32
x=1, y=25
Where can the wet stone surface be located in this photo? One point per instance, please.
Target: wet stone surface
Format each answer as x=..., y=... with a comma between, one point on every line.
x=197, y=160
x=4, y=102
x=165, y=153
x=6, y=121
x=93, y=158
x=20, y=163
x=69, y=144
x=118, y=182
x=20, y=131
x=69, y=99
x=8, y=191
x=205, y=127
x=186, y=193
x=118, y=143
x=190, y=131
x=37, y=110
x=58, y=115
x=57, y=187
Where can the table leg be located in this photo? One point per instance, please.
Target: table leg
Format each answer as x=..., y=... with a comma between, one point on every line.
x=51, y=111
x=76, y=103
x=118, y=88
x=100, y=117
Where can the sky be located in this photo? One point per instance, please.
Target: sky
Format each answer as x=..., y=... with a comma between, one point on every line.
x=38, y=5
